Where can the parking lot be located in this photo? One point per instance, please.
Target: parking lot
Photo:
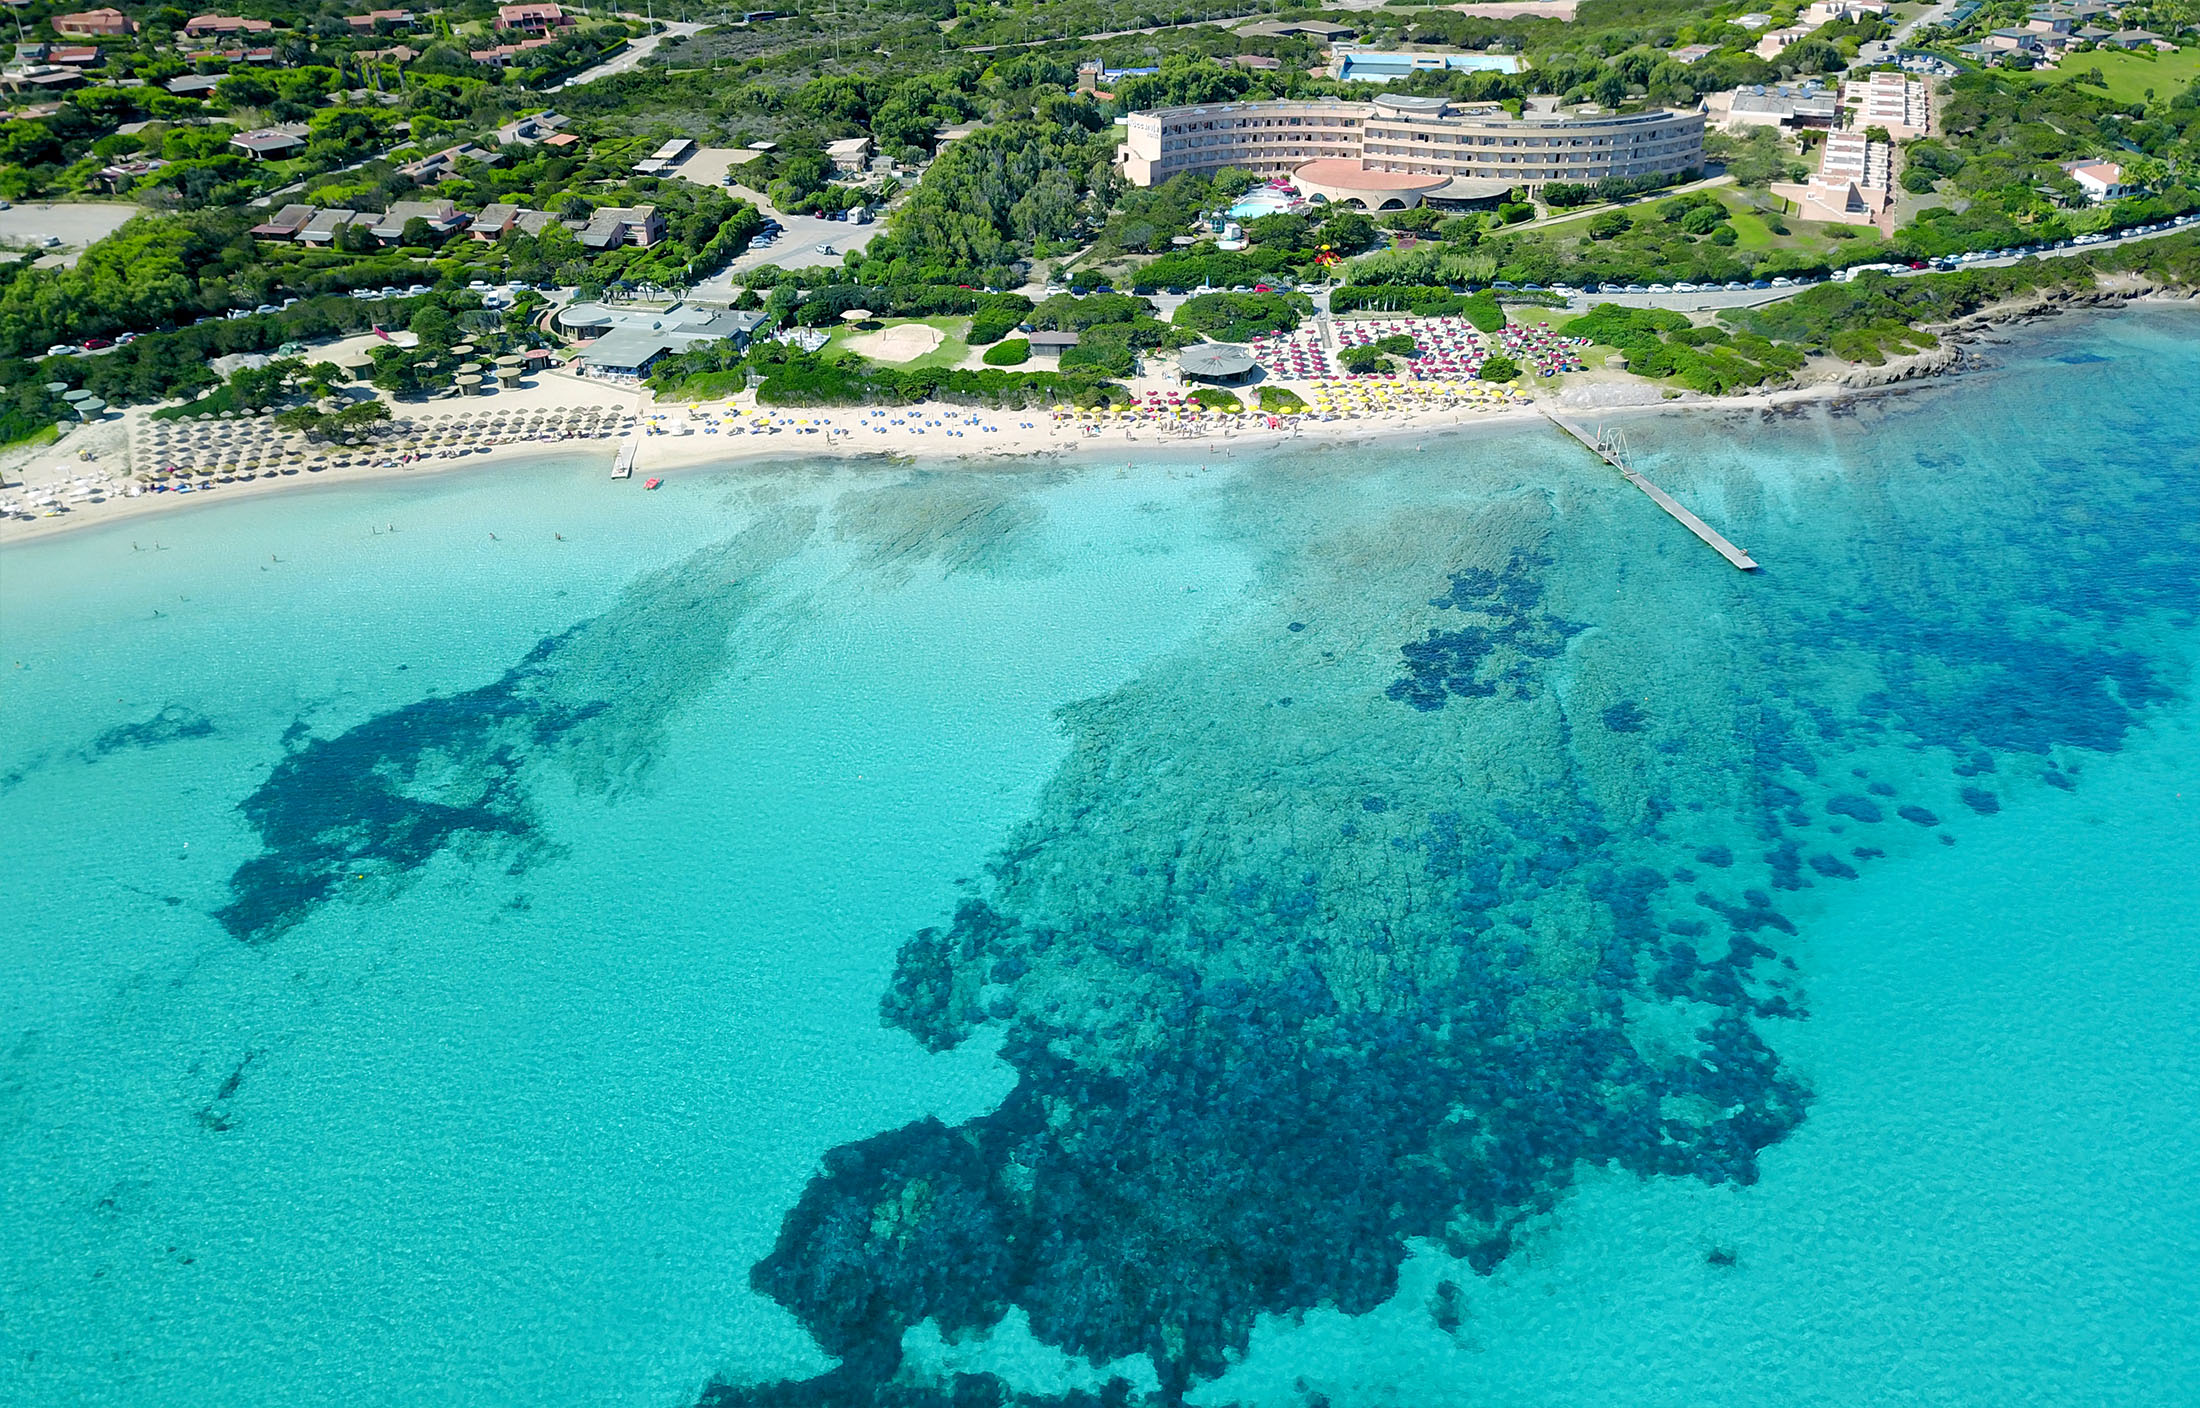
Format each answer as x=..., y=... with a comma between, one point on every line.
x=74, y=223
x=794, y=248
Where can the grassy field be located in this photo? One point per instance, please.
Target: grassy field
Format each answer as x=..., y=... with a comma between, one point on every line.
x=2131, y=72
x=952, y=348
x=1750, y=227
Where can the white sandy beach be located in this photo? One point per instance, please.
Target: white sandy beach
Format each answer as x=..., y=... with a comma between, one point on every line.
x=88, y=474
x=87, y=477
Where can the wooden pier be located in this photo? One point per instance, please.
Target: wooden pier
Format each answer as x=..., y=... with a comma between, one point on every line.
x=1612, y=455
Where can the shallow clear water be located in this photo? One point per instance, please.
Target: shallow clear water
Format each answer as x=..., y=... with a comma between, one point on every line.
x=1360, y=922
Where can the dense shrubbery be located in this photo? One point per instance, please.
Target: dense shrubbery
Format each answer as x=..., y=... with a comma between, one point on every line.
x=1001, y=193
x=1425, y=301
x=1659, y=343
x=1236, y=317
x=27, y=409
x=1104, y=351
x=1866, y=319
x=164, y=364
x=1203, y=264
x=996, y=316
x=791, y=377
x=1563, y=194
x=1012, y=353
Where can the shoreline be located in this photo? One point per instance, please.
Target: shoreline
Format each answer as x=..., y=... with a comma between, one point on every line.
x=1052, y=441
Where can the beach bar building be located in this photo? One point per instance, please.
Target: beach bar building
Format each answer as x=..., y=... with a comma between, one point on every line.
x=1218, y=363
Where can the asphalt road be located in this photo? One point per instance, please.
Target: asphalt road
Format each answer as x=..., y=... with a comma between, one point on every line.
x=630, y=56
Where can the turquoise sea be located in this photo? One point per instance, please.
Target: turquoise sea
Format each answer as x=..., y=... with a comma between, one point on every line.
x=1385, y=924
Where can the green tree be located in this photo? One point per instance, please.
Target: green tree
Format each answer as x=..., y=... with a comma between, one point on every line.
x=1500, y=368
x=434, y=326
x=1609, y=225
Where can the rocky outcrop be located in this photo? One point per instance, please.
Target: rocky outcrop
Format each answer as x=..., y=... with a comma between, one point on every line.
x=1933, y=361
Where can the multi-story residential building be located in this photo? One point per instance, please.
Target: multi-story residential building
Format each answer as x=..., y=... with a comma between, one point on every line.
x=1854, y=184
x=1777, y=41
x=382, y=21
x=93, y=24
x=1897, y=102
x=1410, y=136
x=2102, y=181
x=616, y=225
x=1822, y=12
x=223, y=26
x=535, y=19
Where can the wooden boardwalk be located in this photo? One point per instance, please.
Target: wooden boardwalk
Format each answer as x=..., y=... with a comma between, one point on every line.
x=1658, y=496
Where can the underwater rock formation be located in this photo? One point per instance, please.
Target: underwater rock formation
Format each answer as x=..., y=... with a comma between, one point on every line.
x=385, y=795
x=1287, y=988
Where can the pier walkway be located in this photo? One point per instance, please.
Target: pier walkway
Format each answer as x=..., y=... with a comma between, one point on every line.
x=1611, y=456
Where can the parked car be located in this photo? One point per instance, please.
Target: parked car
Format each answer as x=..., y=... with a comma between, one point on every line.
x=98, y=344
x=824, y=249
x=63, y=349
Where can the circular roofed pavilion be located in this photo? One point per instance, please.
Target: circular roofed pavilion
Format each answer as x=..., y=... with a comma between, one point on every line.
x=1224, y=362
x=1344, y=181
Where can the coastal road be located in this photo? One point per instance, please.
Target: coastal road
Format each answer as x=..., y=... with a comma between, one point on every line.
x=632, y=55
x=1933, y=14
x=1750, y=298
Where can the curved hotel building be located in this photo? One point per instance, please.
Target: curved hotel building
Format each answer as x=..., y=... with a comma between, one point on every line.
x=1453, y=149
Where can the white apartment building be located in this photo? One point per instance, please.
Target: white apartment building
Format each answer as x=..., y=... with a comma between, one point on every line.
x=1417, y=136
x=1897, y=102
x=1854, y=184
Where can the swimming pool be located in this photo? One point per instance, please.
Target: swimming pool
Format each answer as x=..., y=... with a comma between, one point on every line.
x=1260, y=203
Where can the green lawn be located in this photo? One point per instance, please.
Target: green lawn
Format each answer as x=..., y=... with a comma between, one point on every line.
x=952, y=348
x=1750, y=230
x=2131, y=72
